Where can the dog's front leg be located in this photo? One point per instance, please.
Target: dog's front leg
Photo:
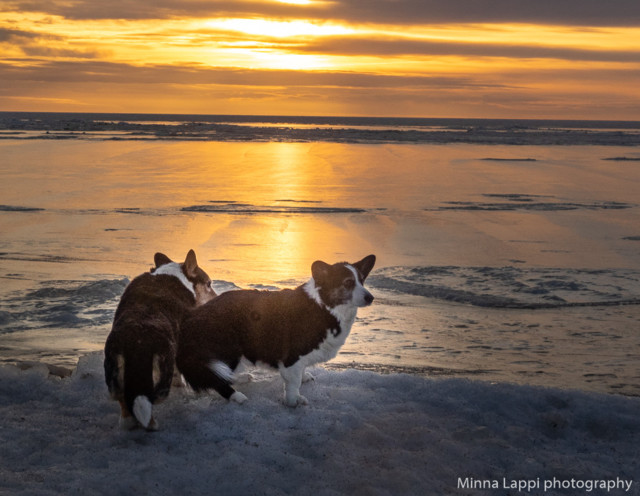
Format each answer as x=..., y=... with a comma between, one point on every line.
x=292, y=380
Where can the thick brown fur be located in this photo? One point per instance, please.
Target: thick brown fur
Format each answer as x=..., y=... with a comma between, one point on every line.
x=140, y=351
x=288, y=329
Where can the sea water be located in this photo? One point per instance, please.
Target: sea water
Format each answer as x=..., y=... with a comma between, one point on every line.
x=496, y=261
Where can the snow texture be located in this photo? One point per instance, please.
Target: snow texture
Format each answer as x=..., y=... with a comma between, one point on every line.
x=361, y=434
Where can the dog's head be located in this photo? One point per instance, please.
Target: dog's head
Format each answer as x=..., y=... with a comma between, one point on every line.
x=343, y=283
x=193, y=277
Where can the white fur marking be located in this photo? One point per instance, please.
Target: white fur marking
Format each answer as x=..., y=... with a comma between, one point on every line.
x=142, y=409
x=359, y=292
x=292, y=380
x=238, y=398
x=345, y=314
x=312, y=290
x=178, y=379
x=222, y=370
x=175, y=269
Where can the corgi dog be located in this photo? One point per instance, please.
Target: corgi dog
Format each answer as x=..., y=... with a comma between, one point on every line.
x=288, y=330
x=140, y=351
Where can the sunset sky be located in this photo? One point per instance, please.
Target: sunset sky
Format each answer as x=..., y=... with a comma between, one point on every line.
x=574, y=59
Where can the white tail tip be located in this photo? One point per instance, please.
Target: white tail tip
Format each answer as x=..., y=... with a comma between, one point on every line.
x=142, y=410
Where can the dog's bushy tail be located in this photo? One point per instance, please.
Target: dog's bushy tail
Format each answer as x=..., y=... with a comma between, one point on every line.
x=222, y=370
x=203, y=376
x=141, y=376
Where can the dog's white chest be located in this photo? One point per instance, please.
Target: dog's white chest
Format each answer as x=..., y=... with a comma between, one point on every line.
x=327, y=349
x=335, y=338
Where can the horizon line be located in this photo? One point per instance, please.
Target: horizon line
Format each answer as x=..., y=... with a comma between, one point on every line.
x=317, y=116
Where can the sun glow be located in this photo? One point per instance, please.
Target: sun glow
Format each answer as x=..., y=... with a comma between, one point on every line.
x=273, y=59
x=297, y=2
x=326, y=54
x=278, y=29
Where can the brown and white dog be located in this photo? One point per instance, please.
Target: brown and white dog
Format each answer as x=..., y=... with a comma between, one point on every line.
x=140, y=351
x=288, y=330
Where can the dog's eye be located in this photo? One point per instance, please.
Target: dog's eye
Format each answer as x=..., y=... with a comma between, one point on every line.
x=349, y=284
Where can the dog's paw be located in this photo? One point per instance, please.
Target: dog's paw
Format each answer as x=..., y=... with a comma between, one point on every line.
x=178, y=381
x=298, y=401
x=238, y=397
x=128, y=423
x=307, y=376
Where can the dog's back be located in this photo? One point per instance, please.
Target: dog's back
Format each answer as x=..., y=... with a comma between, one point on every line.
x=144, y=331
x=288, y=330
x=256, y=325
x=141, y=348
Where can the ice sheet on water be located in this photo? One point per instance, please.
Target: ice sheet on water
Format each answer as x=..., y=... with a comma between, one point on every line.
x=17, y=208
x=69, y=304
x=514, y=287
x=516, y=201
x=247, y=208
x=213, y=207
x=362, y=433
x=313, y=129
x=62, y=304
x=78, y=303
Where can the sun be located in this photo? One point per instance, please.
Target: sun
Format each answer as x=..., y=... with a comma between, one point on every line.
x=270, y=44
x=278, y=29
x=297, y=2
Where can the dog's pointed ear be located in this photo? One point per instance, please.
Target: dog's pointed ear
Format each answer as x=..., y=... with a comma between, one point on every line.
x=191, y=264
x=161, y=259
x=365, y=265
x=320, y=271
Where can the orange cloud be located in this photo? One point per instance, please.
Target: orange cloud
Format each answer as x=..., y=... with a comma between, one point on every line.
x=377, y=57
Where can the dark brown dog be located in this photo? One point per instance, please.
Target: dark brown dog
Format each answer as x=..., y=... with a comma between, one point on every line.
x=141, y=349
x=288, y=330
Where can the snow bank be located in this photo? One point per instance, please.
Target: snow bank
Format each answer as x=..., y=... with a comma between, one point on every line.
x=362, y=433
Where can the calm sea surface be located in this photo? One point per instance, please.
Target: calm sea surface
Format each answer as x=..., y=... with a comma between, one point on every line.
x=496, y=261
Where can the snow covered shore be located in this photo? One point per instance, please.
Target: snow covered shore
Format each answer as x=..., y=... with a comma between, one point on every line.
x=361, y=434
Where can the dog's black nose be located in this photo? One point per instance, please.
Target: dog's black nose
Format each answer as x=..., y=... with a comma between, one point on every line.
x=368, y=298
